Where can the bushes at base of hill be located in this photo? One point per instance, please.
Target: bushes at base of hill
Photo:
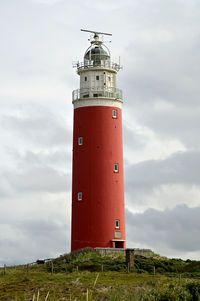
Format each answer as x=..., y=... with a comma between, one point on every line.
x=90, y=260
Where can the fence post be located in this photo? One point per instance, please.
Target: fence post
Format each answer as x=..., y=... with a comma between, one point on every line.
x=154, y=271
x=51, y=267
x=77, y=268
x=128, y=267
x=4, y=269
x=102, y=267
x=130, y=259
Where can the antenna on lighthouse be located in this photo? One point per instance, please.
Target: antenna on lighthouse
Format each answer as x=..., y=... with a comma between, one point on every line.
x=97, y=32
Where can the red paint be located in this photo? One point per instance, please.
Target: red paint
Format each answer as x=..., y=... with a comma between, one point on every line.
x=93, y=218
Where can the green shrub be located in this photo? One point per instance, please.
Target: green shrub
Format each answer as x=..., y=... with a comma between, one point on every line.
x=194, y=289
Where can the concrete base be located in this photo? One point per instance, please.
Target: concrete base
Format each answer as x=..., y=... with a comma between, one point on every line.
x=137, y=251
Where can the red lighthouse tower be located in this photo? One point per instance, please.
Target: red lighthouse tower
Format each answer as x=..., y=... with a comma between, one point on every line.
x=98, y=217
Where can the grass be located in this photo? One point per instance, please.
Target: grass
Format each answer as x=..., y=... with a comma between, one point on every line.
x=91, y=284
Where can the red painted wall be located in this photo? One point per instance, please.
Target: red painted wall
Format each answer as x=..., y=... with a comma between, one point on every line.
x=93, y=218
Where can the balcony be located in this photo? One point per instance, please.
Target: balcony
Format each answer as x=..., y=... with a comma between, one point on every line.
x=90, y=64
x=93, y=93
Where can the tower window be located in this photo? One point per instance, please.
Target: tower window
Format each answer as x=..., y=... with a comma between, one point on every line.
x=117, y=224
x=114, y=115
x=109, y=78
x=85, y=78
x=116, y=167
x=97, y=77
x=80, y=140
x=79, y=196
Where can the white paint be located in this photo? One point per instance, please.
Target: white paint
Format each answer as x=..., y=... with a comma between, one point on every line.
x=94, y=102
x=89, y=81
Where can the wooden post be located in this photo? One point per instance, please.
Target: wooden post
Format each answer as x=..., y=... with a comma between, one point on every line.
x=128, y=267
x=129, y=259
x=87, y=295
x=4, y=269
x=77, y=268
x=154, y=271
x=51, y=267
x=102, y=268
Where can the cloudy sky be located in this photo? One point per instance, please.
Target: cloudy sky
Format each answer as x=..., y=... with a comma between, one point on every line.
x=158, y=42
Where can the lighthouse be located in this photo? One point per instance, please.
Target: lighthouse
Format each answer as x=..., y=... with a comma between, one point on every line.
x=98, y=213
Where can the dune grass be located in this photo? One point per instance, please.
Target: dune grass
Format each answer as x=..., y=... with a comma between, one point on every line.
x=173, y=281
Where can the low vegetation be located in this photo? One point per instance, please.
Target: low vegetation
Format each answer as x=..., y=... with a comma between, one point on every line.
x=88, y=275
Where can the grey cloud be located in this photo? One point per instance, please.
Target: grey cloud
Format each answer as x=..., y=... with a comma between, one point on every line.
x=161, y=65
x=131, y=139
x=34, y=238
x=37, y=179
x=172, y=230
x=59, y=158
x=179, y=168
x=182, y=123
x=39, y=126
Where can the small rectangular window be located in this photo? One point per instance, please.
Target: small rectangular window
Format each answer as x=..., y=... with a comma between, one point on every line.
x=79, y=196
x=85, y=78
x=117, y=223
x=80, y=140
x=114, y=113
x=109, y=78
x=116, y=167
x=97, y=77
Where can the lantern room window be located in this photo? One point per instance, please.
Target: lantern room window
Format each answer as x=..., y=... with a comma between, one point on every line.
x=97, y=77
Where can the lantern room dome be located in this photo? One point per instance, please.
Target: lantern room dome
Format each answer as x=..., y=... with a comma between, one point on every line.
x=96, y=50
x=97, y=55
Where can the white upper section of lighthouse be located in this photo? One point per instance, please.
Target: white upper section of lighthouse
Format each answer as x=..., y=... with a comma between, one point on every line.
x=97, y=78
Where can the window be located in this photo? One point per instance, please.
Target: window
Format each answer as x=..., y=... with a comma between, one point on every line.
x=97, y=77
x=117, y=223
x=79, y=196
x=80, y=140
x=114, y=113
x=85, y=78
x=116, y=167
x=109, y=78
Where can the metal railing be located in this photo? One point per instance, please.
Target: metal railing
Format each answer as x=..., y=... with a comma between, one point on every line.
x=104, y=64
x=92, y=93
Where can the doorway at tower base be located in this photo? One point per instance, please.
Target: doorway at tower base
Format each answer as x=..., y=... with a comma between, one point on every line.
x=118, y=244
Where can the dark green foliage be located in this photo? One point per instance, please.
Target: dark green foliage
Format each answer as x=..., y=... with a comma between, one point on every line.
x=88, y=259
x=194, y=289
